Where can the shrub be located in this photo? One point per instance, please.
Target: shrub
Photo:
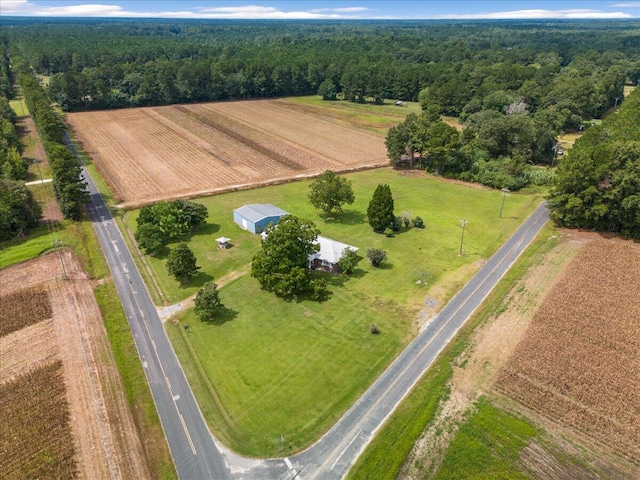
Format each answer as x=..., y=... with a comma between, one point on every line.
x=418, y=222
x=376, y=256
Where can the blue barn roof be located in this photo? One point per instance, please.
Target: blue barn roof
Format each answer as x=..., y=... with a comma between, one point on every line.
x=257, y=211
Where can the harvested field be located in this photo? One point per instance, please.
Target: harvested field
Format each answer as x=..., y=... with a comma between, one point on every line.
x=36, y=437
x=148, y=154
x=66, y=331
x=23, y=308
x=578, y=363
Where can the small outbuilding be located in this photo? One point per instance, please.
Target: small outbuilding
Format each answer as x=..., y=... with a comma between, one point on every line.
x=223, y=242
x=330, y=253
x=257, y=216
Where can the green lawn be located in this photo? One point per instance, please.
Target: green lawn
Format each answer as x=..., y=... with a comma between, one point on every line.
x=286, y=368
x=428, y=255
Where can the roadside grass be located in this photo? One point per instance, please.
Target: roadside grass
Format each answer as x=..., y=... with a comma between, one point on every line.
x=134, y=381
x=384, y=456
x=425, y=255
x=487, y=445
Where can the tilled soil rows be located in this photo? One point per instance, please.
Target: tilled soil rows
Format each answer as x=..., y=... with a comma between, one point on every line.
x=579, y=363
x=148, y=154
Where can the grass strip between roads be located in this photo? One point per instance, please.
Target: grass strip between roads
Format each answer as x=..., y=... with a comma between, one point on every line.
x=386, y=454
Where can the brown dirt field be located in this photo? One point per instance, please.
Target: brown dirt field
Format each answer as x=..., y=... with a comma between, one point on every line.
x=578, y=364
x=148, y=154
x=104, y=436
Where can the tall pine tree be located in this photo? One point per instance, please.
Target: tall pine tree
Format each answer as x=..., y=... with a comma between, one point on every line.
x=380, y=211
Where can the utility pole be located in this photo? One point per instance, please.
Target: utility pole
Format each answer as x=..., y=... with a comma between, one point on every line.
x=505, y=194
x=58, y=245
x=463, y=222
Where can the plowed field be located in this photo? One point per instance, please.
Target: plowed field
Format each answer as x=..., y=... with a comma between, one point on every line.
x=579, y=362
x=147, y=154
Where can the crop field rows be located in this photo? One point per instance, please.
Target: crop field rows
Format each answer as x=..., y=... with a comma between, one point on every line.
x=36, y=437
x=578, y=363
x=23, y=308
x=57, y=392
x=147, y=154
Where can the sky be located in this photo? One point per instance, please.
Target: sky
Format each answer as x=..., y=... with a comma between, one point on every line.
x=328, y=9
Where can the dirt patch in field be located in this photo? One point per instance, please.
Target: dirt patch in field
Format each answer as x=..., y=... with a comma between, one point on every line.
x=148, y=154
x=475, y=369
x=578, y=363
x=104, y=438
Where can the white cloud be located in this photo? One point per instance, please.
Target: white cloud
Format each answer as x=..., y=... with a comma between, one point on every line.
x=24, y=7
x=541, y=14
x=340, y=10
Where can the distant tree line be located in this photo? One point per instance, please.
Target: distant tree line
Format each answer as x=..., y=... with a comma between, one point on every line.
x=567, y=71
x=12, y=165
x=598, y=183
x=68, y=186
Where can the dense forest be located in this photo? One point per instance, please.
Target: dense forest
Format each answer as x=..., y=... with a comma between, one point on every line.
x=598, y=184
x=568, y=70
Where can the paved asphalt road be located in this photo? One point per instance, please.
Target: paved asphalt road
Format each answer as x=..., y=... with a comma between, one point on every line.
x=195, y=452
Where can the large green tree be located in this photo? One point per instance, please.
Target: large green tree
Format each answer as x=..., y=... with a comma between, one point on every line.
x=281, y=264
x=208, y=304
x=19, y=211
x=181, y=263
x=329, y=192
x=380, y=210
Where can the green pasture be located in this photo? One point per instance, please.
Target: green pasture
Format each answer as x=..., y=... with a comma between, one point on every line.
x=283, y=369
x=375, y=118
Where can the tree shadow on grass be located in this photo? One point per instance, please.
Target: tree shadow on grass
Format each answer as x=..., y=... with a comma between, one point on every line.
x=223, y=315
x=204, y=229
x=347, y=217
x=385, y=266
x=199, y=280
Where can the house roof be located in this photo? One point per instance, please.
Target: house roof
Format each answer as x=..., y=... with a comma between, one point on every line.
x=331, y=250
x=257, y=211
